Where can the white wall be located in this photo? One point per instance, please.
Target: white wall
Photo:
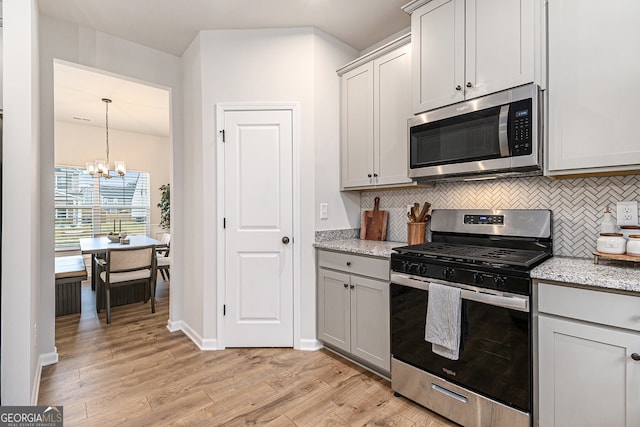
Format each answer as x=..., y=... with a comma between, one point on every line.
x=28, y=312
x=21, y=279
x=70, y=42
x=192, y=307
x=76, y=144
x=279, y=65
x=343, y=207
x=1, y=67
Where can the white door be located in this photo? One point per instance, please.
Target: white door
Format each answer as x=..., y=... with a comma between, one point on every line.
x=258, y=232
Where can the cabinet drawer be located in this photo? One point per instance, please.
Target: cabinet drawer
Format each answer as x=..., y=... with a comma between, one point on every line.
x=606, y=308
x=355, y=264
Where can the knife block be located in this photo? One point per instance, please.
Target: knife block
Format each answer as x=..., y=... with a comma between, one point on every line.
x=416, y=232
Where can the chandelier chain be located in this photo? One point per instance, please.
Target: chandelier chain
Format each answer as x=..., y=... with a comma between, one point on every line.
x=106, y=121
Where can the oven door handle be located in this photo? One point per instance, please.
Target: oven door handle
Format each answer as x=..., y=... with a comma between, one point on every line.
x=511, y=302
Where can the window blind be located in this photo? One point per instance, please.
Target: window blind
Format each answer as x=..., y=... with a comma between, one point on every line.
x=90, y=206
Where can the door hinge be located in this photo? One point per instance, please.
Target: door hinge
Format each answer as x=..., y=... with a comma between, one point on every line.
x=224, y=222
x=224, y=309
x=222, y=132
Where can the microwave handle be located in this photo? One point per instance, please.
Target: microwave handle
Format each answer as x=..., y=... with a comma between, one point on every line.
x=503, y=123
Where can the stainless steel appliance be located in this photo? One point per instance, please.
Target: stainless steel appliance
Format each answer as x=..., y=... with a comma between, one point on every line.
x=488, y=254
x=498, y=134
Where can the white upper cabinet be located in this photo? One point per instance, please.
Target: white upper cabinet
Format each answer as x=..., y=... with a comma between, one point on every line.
x=357, y=127
x=375, y=106
x=594, y=82
x=463, y=49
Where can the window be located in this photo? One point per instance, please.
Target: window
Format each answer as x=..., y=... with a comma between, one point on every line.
x=88, y=206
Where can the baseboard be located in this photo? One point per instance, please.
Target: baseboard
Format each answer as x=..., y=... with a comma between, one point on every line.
x=309, y=345
x=203, y=344
x=45, y=359
x=174, y=326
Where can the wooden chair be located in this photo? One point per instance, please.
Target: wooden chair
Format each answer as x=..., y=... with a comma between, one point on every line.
x=129, y=266
x=163, y=258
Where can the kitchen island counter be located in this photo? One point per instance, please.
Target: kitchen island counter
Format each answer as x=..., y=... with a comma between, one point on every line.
x=608, y=275
x=376, y=248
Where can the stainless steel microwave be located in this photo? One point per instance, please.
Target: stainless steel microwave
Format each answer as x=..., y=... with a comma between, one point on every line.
x=495, y=135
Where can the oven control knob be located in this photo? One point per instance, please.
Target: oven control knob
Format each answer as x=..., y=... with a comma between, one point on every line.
x=448, y=273
x=478, y=278
x=406, y=266
x=499, y=282
x=423, y=269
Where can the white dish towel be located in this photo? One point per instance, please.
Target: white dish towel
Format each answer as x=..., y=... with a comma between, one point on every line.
x=442, y=328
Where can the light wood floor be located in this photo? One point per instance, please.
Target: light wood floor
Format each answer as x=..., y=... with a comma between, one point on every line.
x=135, y=372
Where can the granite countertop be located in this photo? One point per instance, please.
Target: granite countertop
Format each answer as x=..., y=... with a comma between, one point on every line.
x=363, y=247
x=612, y=275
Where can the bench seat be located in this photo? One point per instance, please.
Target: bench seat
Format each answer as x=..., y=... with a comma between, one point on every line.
x=70, y=272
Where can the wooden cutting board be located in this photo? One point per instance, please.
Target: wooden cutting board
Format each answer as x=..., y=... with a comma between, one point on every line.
x=374, y=223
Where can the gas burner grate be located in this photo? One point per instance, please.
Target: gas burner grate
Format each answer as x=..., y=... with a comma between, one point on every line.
x=475, y=254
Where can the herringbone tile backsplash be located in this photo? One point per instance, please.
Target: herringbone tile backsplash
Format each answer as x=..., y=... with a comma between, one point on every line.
x=577, y=204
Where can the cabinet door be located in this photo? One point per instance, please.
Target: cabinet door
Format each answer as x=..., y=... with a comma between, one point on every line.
x=392, y=108
x=593, y=86
x=370, y=337
x=437, y=30
x=357, y=127
x=499, y=45
x=333, y=308
x=587, y=376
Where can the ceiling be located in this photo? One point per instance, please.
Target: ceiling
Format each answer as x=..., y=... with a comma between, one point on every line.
x=171, y=25
x=135, y=107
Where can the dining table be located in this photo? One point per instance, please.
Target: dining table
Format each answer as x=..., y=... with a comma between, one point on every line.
x=98, y=246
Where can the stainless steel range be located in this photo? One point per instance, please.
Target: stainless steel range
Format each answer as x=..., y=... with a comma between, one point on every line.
x=486, y=257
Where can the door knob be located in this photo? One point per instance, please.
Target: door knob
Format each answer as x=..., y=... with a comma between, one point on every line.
x=635, y=356
x=285, y=240
x=458, y=87
x=469, y=84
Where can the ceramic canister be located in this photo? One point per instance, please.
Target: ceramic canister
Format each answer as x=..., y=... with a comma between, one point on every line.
x=633, y=245
x=611, y=243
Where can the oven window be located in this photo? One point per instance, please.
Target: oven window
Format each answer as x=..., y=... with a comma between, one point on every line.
x=495, y=356
x=469, y=137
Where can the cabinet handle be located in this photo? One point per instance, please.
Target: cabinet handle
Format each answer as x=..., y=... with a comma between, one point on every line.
x=346, y=285
x=375, y=175
x=348, y=263
x=369, y=175
x=352, y=286
x=469, y=84
x=458, y=87
x=635, y=356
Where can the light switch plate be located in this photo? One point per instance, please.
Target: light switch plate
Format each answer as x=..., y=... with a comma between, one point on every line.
x=627, y=213
x=324, y=210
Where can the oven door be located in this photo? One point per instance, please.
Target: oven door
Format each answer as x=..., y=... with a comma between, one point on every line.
x=495, y=353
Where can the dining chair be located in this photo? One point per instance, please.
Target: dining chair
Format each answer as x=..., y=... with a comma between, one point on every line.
x=162, y=255
x=127, y=267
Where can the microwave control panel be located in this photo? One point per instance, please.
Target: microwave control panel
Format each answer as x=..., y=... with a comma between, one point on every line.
x=520, y=131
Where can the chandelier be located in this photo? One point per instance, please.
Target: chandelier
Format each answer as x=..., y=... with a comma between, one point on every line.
x=101, y=167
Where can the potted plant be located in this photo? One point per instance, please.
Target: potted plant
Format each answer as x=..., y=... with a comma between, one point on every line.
x=165, y=207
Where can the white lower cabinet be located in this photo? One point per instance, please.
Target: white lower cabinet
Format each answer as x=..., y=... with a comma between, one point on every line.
x=353, y=309
x=587, y=372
